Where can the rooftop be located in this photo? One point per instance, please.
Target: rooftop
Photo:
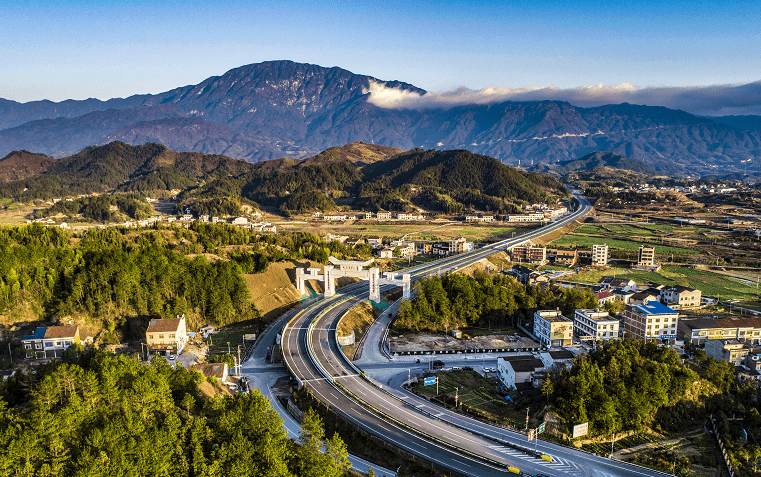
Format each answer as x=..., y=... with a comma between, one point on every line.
x=654, y=308
x=523, y=364
x=165, y=325
x=59, y=332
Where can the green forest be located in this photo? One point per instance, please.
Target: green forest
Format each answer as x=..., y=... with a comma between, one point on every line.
x=95, y=414
x=458, y=300
x=100, y=208
x=113, y=273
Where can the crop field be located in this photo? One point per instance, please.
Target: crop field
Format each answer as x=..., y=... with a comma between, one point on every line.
x=614, y=244
x=710, y=283
x=473, y=389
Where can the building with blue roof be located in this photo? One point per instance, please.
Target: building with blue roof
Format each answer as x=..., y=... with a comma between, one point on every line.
x=651, y=320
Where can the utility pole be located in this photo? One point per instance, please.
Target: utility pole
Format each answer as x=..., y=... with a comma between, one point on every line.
x=611, y=445
x=527, y=418
x=239, y=362
x=228, y=347
x=437, y=385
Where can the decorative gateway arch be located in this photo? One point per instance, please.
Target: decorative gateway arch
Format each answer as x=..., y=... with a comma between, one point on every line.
x=356, y=269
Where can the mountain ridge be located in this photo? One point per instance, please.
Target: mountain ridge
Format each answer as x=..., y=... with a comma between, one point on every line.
x=279, y=109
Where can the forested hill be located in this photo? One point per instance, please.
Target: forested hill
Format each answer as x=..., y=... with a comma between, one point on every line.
x=119, y=166
x=362, y=175
x=451, y=181
x=603, y=159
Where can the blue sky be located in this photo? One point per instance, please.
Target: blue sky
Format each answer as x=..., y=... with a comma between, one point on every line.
x=58, y=49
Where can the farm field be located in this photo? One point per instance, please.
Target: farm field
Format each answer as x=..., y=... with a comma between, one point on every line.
x=586, y=242
x=422, y=231
x=710, y=283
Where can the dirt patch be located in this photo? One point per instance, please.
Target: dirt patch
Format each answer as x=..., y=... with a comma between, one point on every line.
x=421, y=342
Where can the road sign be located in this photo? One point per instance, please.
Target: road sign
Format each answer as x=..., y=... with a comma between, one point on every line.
x=580, y=430
x=540, y=429
x=429, y=381
x=531, y=434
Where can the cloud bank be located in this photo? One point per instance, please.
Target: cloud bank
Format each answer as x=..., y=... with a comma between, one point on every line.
x=715, y=100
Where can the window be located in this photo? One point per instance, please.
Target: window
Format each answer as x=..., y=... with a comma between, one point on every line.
x=38, y=345
x=27, y=345
x=161, y=336
x=172, y=335
x=58, y=344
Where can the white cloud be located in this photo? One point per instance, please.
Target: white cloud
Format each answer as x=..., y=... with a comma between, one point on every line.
x=707, y=100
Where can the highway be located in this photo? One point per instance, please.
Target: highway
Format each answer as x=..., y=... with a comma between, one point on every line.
x=453, y=441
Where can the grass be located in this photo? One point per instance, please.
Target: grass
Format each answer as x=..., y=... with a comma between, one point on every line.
x=614, y=244
x=711, y=284
x=220, y=340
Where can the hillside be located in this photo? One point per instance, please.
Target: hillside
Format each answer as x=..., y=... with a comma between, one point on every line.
x=367, y=176
x=281, y=109
x=22, y=164
x=603, y=159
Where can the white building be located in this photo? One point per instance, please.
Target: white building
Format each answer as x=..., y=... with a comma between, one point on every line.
x=518, y=369
x=552, y=328
x=599, y=255
x=595, y=325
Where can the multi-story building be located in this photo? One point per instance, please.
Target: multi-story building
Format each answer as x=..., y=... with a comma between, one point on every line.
x=168, y=336
x=383, y=215
x=538, y=217
x=595, y=325
x=460, y=245
x=50, y=341
x=599, y=255
x=386, y=252
x=479, y=218
x=646, y=258
x=406, y=216
x=652, y=320
x=679, y=297
x=698, y=330
x=567, y=256
x=552, y=328
x=530, y=277
x=732, y=351
x=529, y=254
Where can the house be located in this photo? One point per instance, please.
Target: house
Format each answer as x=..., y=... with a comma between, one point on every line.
x=375, y=241
x=338, y=238
x=167, y=336
x=529, y=254
x=622, y=295
x=530, y=277
x=219, y=371
x=538, y=217
x=353, y=242
x=405, y=216
x=653, y=320
x=552, y=328
x=697, y=330
x=50, y=341
x=599, y=255
x=622, y=283
x=383, y=215
x=239, y=221
x=567, y=256
x=407, y=249
x=560, y=358
x=269, y=228
x=645, y=296
x=460, y=245
x=732, y=351
x=518, y=369
x=595, y=325
x=386, y=252
x=479, y=218
x=646, y=259
x=679, y=297
x=604, y=297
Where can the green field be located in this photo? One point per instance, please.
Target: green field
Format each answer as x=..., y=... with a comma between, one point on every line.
x=219, y=341
x=614, y=244
x=473, y=389
x=711, y=284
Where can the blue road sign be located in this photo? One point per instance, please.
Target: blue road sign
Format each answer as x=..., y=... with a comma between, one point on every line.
x=429, y=381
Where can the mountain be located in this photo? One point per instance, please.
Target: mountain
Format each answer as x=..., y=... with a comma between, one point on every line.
x=364, y=176
x=603, y=159
x=282, y=109
x=22, y=164
x=745, y=123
